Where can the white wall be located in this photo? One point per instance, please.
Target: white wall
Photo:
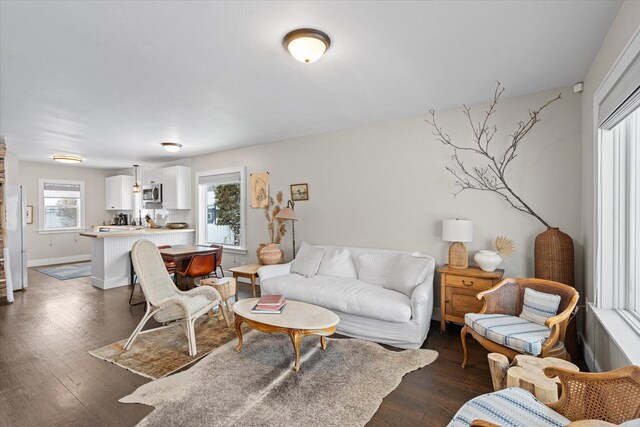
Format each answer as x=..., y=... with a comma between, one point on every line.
x=63, y=247
x=385, y=185
x=607, y=354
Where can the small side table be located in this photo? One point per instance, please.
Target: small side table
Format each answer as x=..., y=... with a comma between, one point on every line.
x=250, y=272
x=527, y=372
x=225, y=287
x=458, y=290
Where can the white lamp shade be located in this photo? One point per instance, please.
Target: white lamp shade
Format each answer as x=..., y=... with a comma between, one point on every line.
x=307, y=49
x=457, y=230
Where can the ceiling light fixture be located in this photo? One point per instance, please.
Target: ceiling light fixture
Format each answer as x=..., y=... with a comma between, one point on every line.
x=171, y=147
x=136, y=186
x=67, y=158
x=306, y=44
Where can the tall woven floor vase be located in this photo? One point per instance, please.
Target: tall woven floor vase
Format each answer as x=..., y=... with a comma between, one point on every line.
x=554, y=260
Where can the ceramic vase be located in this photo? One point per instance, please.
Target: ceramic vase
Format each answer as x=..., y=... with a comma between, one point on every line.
x=271, y=254
x=258, y=249
x=487, y=260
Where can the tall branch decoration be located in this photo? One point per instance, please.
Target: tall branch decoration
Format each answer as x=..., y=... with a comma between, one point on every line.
x=493, y=176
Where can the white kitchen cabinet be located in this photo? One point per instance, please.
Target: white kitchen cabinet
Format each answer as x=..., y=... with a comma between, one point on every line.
x=118, y=193
x=176, y=187
x=152, y=176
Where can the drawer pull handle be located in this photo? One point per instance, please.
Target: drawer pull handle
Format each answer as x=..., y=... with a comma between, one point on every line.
x=467, y=284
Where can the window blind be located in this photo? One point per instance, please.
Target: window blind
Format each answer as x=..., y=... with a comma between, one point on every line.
x=622, y=99
x=220, y=179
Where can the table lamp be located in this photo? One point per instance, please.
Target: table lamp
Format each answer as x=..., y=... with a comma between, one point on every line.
x=457, y=231
x=287, y=213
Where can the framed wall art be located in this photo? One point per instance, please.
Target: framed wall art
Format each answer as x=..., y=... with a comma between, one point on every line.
x=299, y=192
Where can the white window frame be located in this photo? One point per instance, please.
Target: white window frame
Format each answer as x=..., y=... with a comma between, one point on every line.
x=613, y=274
x=41, y=208
x=201, y=205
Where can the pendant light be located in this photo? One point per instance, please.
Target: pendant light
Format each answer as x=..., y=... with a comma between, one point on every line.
x=136, y=186
x=307, y=45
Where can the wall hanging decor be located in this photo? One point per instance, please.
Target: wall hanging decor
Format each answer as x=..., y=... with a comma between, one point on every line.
x=299, y=192
x=259, y=190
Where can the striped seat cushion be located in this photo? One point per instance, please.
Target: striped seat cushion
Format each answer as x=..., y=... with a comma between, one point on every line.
x=511, y=407
x=514, y=332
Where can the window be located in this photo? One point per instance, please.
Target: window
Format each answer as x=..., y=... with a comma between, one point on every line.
x=221, y=212
x=61, y=205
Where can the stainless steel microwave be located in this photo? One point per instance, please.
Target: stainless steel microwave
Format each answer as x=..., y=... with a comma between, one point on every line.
x=152, y=193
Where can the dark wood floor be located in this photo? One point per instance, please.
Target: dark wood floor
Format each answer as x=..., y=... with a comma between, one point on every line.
x=47, y=377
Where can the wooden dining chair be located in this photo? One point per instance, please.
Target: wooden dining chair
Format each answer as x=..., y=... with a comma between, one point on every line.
x=218, y=260
x=199, y=266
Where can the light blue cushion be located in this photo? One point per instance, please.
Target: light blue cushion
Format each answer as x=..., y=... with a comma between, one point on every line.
x=510, y=331
x=511, y=407
x=539, y=306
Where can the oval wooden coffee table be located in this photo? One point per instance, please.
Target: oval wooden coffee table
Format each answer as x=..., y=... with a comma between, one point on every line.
x=297, y=320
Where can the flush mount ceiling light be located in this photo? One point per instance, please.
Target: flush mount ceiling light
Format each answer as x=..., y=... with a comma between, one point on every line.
x=306, y=44
x=67, y=158
x=171, y=147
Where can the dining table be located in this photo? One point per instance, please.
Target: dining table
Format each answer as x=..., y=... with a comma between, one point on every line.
x=182, y=254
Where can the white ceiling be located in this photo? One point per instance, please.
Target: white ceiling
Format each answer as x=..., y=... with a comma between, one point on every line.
x=110, y=80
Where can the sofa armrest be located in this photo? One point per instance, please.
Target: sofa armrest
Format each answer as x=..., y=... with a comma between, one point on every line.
x=269, y=271
x=422, y=302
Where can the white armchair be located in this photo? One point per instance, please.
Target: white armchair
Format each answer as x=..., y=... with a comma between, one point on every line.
x=165, y=302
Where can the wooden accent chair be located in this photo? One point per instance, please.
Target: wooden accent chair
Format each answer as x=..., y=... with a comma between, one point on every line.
x=218, y=260
x=165, y=302
x=588, y=399
x=199, y=266
x=507, y=298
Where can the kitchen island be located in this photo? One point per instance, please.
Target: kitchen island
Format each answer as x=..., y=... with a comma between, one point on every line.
x=110, y=262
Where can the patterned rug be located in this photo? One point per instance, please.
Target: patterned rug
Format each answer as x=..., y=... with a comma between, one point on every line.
x=67, y=271
x=159, y=353
x=341, y=386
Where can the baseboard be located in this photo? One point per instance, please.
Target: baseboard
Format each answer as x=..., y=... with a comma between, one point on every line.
x=59, y=260
x=589, y=356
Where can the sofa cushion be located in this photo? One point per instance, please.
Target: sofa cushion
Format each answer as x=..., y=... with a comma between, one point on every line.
x=376, y=267
x=510, y=331
x=307, y=260
x=351, y=296
x=407, y=273
x=537, y=307
x=511, y=407
x=337, y=262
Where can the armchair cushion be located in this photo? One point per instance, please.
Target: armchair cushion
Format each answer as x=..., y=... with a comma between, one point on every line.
x=511, y=407
x=307, y=260
x=537, y=307
x=514, y=332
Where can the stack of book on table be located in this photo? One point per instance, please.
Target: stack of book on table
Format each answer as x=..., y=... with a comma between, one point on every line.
x=270, y=304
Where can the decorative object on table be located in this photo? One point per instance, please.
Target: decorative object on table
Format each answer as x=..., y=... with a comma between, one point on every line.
x=496, y=322
x=29, y=214
x=588, y=399
x=250, y=272
x=271, y=254
x=457, y=231
x=269, y=304
x=367, y=373
x=226, y=287
x=165, y=303
x=67, y=271
x=259, y=190
x=164, y=351
x=276, y=228
x=504, y=246
x=299, y=192
x=553, y=249
x=487, y=260
x=288, y=214
x=458, y=290
x=177, y=225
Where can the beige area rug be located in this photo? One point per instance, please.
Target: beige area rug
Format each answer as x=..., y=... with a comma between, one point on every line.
x=159, y=353
x=341, y=386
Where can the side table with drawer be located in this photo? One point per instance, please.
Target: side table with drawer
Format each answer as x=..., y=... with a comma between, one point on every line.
x=458, y=290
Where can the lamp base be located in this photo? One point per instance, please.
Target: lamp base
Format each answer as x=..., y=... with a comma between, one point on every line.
x=458, y=256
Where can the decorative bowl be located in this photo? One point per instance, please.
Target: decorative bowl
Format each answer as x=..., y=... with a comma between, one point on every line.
x=177, y=225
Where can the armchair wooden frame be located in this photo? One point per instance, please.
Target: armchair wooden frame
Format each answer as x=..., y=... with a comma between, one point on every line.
x=594, y=399
x=507, y=297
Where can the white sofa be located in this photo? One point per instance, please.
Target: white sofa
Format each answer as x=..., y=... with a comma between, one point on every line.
x=368, y=311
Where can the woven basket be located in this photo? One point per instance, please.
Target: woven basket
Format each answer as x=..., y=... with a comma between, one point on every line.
x=554, y=261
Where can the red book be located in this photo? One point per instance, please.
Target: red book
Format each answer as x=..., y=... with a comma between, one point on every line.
x=266, y=307
x=271, y=300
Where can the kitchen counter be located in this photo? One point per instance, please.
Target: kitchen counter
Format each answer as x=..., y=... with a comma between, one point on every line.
x=110, y=262
x=122, y=232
